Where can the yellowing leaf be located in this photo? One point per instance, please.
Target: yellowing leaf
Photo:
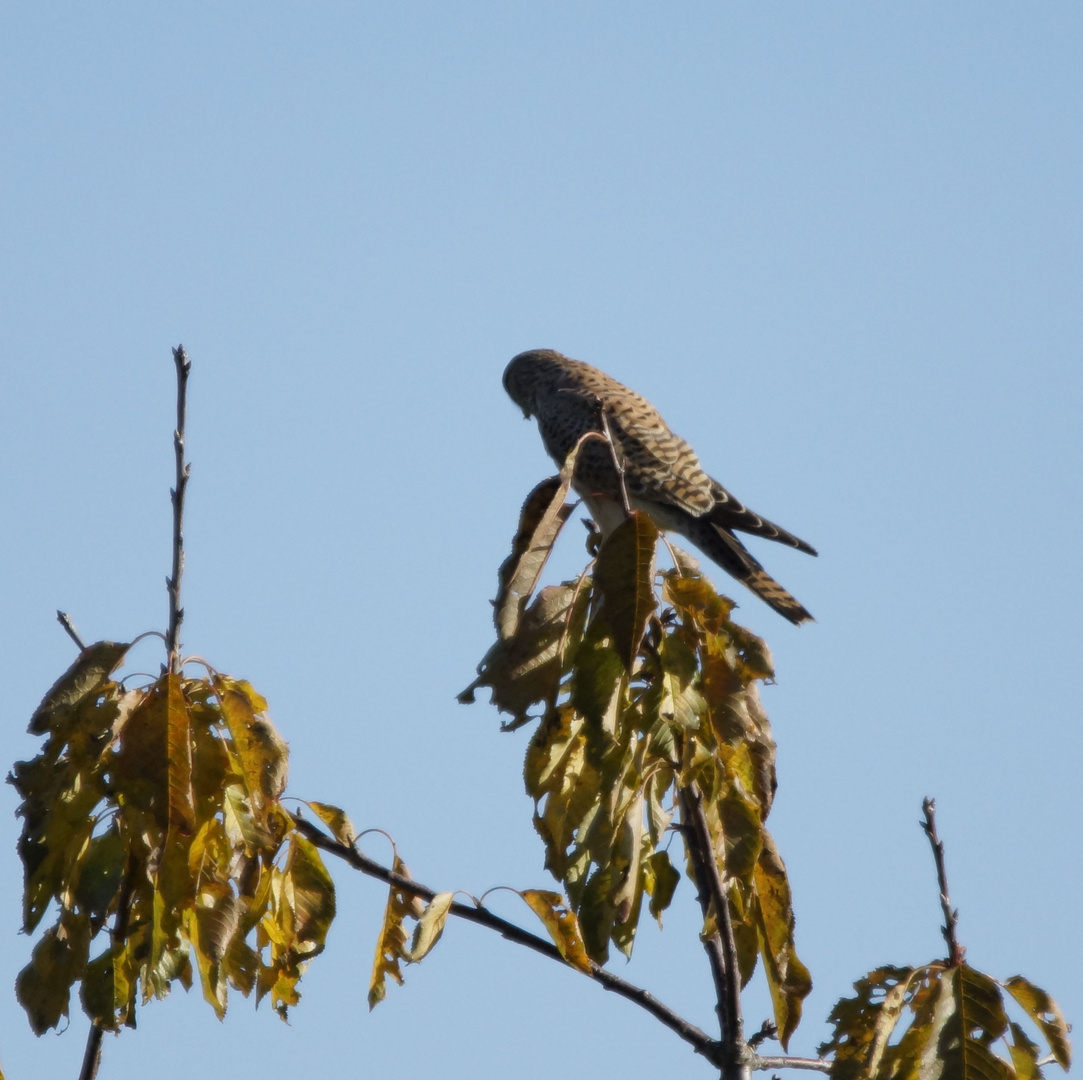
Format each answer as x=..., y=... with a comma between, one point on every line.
x=261, y=752
x=391, y=944
x=336, y=820
x=561, y=924
x=863, y=1024
x=430, y=927
x=526, y=668
x=661, y=883
x=142, y=763
x=182, y=814
x=788, y=979
x=543, y=515
x=1045, y=1012
x=313, y=895
x=92, y=667
x=1025, y=1054
x=624, y=574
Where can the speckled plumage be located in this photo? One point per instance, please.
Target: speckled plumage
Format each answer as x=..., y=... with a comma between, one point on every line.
x=662, y=475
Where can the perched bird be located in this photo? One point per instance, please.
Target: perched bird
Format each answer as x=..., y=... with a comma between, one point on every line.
x=659, y=472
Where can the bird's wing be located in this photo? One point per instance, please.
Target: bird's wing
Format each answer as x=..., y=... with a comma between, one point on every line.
x=659, y=466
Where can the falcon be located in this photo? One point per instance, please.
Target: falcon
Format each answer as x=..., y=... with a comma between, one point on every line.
x=658, y=472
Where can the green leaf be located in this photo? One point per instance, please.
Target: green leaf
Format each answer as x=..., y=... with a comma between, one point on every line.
x=43, y=987
x=597, y=914
x=91, y=669
x=661, y=883
x=564, y=784
x=96, y=992
x=98, y=873
x=627, y=860
x=624, y=574
x=597, y=682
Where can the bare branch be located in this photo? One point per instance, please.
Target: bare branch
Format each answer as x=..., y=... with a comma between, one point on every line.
x=64, y=619
x=617, y=463
x=956, y=952
x=768, y=1030
x=92, y=1056
x=720, y=947
x=176, y=612
x=700, y=1041
x=761, y=1064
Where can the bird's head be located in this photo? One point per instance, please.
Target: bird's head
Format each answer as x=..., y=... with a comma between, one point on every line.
x=529, y=371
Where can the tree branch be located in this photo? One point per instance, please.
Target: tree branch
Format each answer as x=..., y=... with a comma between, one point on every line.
x=64, y=619
x=92, y=1056
x=617, y=463
x=699, y=1040
x=737, y=1059
x=812, y=1064
x=176, y=612
x=956, y=953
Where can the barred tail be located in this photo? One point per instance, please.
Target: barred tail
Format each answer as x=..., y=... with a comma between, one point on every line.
x=725, y=549
x=773, y=594
x=730, y=513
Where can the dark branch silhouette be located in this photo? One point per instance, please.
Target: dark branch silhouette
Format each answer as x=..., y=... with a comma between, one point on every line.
x=956, y=952
x=736, y=1061
x=173, y=583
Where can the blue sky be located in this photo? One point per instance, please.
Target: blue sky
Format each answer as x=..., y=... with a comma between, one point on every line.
x=838, y=245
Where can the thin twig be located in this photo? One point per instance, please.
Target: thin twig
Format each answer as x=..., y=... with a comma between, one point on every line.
x=700, y=1041
x=761, y=1064
x=64, y=619
x=617, y=463
x=956, y=952
x=720, y=946
x=173, y=582
x=768, y=1030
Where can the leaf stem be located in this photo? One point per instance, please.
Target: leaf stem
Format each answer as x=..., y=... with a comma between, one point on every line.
x=956, y=952
x=173, y=582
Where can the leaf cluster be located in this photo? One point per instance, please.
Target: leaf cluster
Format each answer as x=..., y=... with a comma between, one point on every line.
x=941, y=1020
x=152, y=823
x=641, y=686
